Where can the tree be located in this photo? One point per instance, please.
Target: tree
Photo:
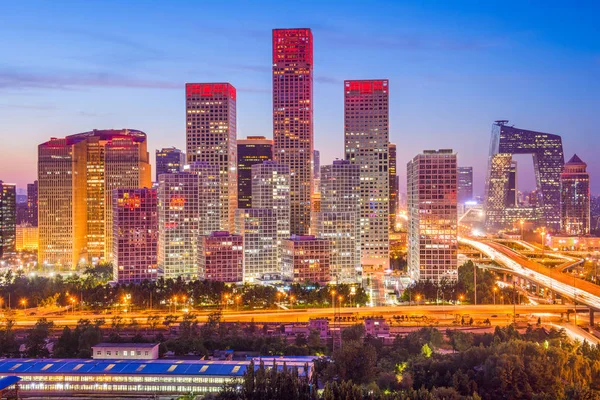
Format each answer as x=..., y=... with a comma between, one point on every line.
x=37, y=339
x=426, y=351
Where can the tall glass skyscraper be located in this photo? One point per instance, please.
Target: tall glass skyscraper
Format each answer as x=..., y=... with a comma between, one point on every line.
x=8, y=218
x=293, y=117
x=548, y=161
x=366, y=144
x=465, y=184
x=252, y=150
x=211, y=136
x=432, y=216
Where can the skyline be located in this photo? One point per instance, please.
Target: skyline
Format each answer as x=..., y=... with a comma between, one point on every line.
x=452, y=72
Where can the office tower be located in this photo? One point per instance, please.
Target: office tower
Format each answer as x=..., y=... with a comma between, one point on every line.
x=293, y=117
x=306, y=259
x=211, y=136
x=316, y=164
x=465, y=184
x=8, y=218
x=32, y=204
x=338, y=219
x=271, y=190
x=575, y=197
x=62, y=205
x=135, y=232
x=366, y=144
x=220, y=257
x=26, y=238
x=250, y=151
x=432, y=229
x=169, y=160
x=393, y=199
x=126, y=165
x=258, y=228
x=548, y=160
x=188, y=206
x=76, y=176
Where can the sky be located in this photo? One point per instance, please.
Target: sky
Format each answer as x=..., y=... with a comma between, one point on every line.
x=454, y=68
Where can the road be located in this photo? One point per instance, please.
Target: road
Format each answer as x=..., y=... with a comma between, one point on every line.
x=303, y=315
x=585, y=292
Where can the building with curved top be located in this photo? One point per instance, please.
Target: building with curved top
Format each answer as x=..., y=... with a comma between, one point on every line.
x=548, y=160
x=76, y=177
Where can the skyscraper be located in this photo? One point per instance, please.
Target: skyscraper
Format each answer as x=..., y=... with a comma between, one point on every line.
x=575, y=197
x=8, y=218
x=432, y=216
x=293, y=117
x=258, y=228
x=271, y=190
x=250, y=151
x=338, y=219
x=548, y=160
x=316, y=164
x=169, y=160
x=393, y=185
x=62, y=205
x=32, y=203
x=211, y=136
x=366, y=144
x=465, y=184
x=188, y=206
x=76, y=176
x=220, y=257
x=135, y=233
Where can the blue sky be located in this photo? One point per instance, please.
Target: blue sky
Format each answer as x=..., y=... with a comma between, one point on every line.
x=454, y=68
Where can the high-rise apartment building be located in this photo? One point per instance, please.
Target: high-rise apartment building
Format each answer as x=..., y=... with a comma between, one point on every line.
x=271, y=190
x=220, y=257
x=432, y=216
x=393, y=199
x=250, y=151
x=338, y=219
x=548, y=161
x=366, y=144
x=32, y=204
x=76, y=176
x=306, y=259
x=293, y=117
x=8, y=218
x=575, y=197
x=169, y=160
x=465, y=184
x=258, y=228
x=211, y=136
x=188, y=206
x=135, y=233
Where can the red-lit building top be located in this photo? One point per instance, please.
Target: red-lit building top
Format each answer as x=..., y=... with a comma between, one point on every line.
x=210, y=90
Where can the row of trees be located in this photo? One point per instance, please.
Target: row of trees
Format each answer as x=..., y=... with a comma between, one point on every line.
x=92, y=290
x=463, y=289
x=505, y=364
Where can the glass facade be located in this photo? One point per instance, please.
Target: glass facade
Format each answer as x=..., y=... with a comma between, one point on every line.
x=575, y=198
x=169, y=161
x=293, y=118
x=253, y=150
x=432, y=216
x=548, y=161
x=8, y=218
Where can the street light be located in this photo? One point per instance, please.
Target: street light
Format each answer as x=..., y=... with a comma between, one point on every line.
x=23, y=303
x=495, y=290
